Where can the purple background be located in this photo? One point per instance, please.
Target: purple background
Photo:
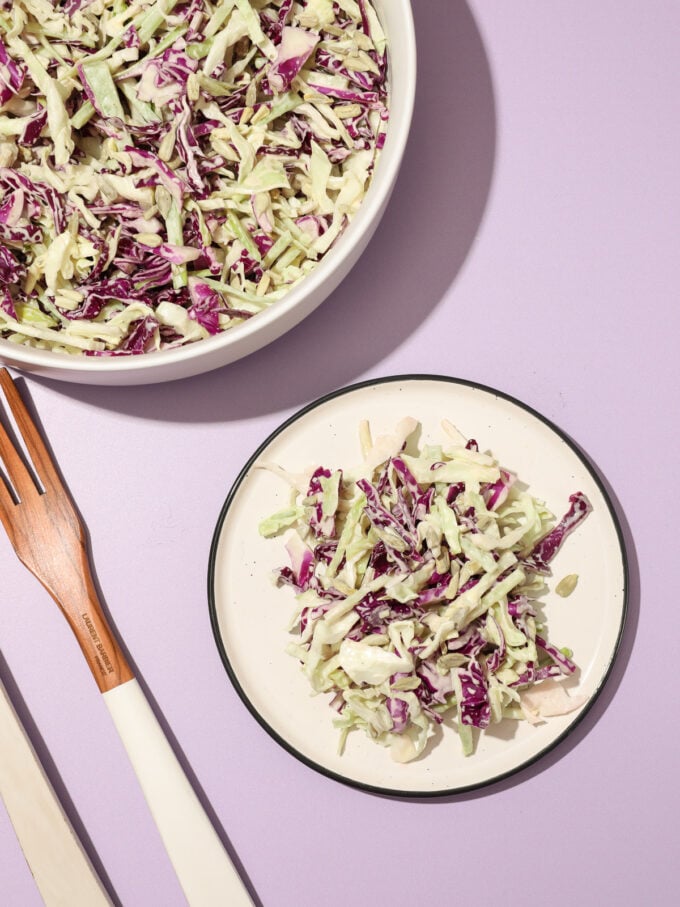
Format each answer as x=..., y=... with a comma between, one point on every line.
x=532, y=244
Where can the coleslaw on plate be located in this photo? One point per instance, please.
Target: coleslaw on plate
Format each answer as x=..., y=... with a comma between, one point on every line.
x=417, y=577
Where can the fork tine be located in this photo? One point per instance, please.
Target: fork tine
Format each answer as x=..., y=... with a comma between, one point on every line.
x=40, y=457
x=8, y=493
x=6, y=505
x=15, y=468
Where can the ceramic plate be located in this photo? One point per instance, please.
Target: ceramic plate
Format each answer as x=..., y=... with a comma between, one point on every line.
x=250, y=615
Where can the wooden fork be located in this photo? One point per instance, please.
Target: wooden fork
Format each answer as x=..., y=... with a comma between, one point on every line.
x=49, y=538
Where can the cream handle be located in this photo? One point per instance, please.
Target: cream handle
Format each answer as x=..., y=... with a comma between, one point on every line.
x=62, y=870
x=203, y=867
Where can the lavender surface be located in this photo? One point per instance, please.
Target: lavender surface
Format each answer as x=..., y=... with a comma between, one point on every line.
x=531, y=244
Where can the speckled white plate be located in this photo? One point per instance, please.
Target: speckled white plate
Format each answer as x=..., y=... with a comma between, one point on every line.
x=249, y=615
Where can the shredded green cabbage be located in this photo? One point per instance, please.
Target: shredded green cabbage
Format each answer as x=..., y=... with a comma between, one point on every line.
x=418, y=577
x=170, y=169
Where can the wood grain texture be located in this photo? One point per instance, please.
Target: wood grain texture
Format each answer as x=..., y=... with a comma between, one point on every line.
x=50, y=540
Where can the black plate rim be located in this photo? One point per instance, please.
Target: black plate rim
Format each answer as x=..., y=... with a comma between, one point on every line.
x=212, y=605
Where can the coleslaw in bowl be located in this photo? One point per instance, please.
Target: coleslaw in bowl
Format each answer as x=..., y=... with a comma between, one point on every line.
x=237, y=156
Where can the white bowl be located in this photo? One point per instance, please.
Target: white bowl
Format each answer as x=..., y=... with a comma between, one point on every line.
x=239, y=341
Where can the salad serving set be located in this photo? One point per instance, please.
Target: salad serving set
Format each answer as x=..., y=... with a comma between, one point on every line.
x=182, y=183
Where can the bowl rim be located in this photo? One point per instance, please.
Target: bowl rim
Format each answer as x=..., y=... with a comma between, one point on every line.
x=50, y=362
